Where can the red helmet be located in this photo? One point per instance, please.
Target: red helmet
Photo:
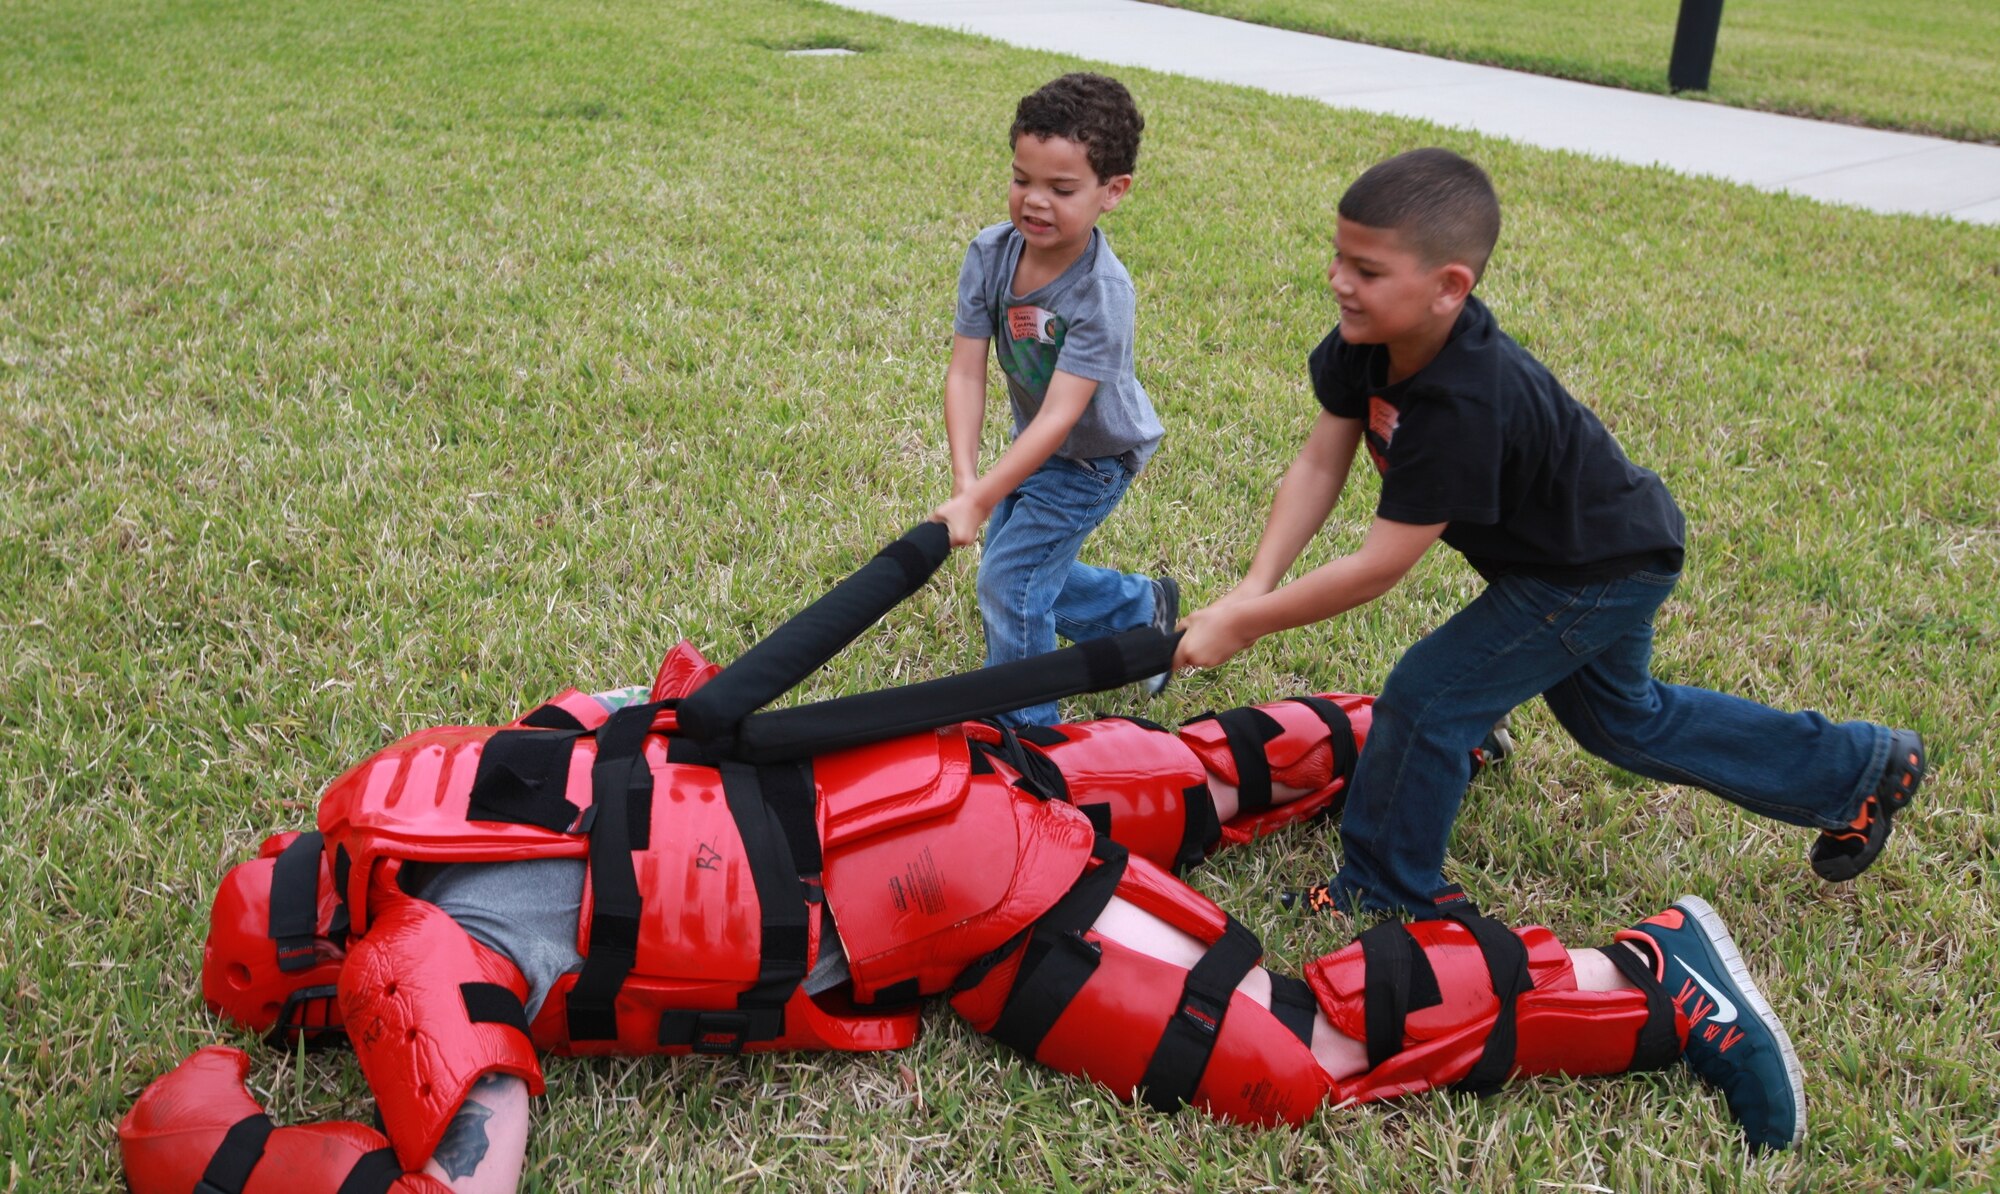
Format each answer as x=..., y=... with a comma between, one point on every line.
x=277, y=937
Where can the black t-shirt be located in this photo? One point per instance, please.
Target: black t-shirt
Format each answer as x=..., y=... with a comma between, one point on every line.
x=1485, y=439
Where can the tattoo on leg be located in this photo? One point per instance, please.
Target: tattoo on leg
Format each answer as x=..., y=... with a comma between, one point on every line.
x=464, y=1144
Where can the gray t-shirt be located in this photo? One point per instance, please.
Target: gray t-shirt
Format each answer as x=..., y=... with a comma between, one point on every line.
x=1080, y=323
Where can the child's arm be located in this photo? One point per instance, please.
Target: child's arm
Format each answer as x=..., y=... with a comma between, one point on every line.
x=973, y=500
x=1306, y=496
x=965, y=408
x=1386, y=555
x=487, y=1141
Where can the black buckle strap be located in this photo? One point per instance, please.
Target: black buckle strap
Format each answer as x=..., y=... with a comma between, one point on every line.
x=1247, y=729
x=1059, y=960
x=1340, y=733
x=294, y=923
x=1200, y=828
x=784, y=936
x=1174, y=1073
x=619, y=779
x=491, y=1003
x=1507, y=965
x=1396, y=979
x=1658, y=1044
x=236, y=1158
x=720, y=1033
x=1293, y=1005
x=374, y=1173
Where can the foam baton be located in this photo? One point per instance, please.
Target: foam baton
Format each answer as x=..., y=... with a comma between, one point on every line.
x=815, y=634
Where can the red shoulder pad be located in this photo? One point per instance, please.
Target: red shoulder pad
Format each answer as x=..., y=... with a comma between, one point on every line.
x=430, y=1010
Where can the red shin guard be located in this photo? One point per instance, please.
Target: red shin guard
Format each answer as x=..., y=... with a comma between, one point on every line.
x=197, y=1128
x=1466, y=1003
x=1309, y=743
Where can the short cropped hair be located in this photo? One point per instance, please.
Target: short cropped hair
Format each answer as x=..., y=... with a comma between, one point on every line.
x=1095, y=111
x=1440, y=203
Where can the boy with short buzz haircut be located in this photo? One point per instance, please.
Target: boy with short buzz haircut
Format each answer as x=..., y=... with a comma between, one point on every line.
x=1478, y=445
x=1045, y=289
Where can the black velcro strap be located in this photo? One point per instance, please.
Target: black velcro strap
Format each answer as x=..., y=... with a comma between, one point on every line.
x=784, y=930
x=1174, y=1073
x=552, y=717
x=1293, y=1005
x=294, y=923
x=374, y=1173
x=1247, y=729
x=1507, y=965
x=687, y=750
x=1390, y=983
x=236, y=1157
x=1200, y=829
x=1659, y=1043
x=790, y=795
x=1144, y=723
x=1340, y=733
x=1041, y=735
x=1100, y=817
x=491, y=1003
x=1059, y=960
x=523, y=776
x=619, y=776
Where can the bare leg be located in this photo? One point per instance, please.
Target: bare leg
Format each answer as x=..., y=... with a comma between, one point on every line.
x=483, y=1148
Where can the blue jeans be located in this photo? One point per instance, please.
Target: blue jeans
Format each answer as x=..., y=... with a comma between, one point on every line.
x=1030, y=583
x=1587, y=650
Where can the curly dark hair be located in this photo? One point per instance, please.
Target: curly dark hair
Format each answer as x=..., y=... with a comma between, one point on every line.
x=1441, y=203
x=1095, y=111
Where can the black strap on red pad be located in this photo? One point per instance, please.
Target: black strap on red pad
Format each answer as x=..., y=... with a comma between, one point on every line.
x=1397, y=980
x=1659, y=1044
x=374, y=1173
x=236, y=1158
x=619, y=780
x=1507, y=965
x=1340, y=733
x=1246, y=729
x=294, y=923
x=1174, y=1073
x=1059, y=960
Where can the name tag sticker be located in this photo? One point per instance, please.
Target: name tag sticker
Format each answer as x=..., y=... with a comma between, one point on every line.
x=1031, y=323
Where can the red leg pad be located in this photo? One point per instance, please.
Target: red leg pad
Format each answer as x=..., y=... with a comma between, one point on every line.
x=1302, y=754
x=1558, y=1029
x=170, y=1136
x=1256, y=1071
x=417, y=993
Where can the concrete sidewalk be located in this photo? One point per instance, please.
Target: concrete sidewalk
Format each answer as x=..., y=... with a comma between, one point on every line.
x=1834, y=163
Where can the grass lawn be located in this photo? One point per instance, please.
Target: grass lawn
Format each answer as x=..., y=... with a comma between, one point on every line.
x=370, y=366
x=1927, y=66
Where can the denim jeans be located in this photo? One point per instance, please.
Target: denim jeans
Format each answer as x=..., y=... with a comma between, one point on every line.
x=1030, y=584
x=1587, y=650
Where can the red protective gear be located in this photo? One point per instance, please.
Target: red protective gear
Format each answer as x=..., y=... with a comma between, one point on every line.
x=431, y=1011
x=198, y=1124
x=1305, y=742
x=1463, y=1001
x=1079, y=1002
x=252, y=976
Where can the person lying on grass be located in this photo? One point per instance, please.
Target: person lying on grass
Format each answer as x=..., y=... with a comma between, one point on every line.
x=591, y=879
x=1478, y=445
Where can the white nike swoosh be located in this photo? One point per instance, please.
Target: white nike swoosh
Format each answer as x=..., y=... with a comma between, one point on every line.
x=1725, y=1011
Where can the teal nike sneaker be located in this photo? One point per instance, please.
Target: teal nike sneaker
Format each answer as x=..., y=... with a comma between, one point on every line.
x=1734, y=1039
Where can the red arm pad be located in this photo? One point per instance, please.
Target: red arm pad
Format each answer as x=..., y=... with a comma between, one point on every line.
x=415, y=993
x=170, y=1138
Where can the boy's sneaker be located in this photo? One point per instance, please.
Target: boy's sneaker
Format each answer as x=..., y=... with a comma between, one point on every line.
x=1734, y=1039
x=1494, y=748
x=1841, y=854
x=1166, y=615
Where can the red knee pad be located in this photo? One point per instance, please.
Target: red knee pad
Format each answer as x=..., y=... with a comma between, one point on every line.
x=198, y=1128
x=1464, y=1002
x=1146, y=1029
x=1308, y=742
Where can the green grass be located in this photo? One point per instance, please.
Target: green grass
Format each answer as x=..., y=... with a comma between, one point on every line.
x=1925, y=66
x=370, y=366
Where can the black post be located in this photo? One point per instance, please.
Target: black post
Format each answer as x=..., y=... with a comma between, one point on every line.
x=1694, y=45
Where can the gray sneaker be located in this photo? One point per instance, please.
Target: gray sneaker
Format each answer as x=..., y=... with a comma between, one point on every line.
x=1166, y=615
